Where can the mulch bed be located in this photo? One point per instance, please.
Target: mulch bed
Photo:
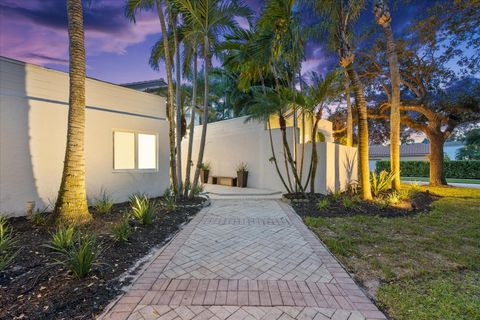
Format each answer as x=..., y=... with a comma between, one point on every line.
x=306, y=205
x=35, y=288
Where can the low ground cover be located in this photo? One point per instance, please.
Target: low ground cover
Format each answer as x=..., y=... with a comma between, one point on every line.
x=44, y=280
x=424, y=265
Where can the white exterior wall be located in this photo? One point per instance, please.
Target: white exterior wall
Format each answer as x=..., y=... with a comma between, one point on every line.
x=230, y=142
x=33, y=126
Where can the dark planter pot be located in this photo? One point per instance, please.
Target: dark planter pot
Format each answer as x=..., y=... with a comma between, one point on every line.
x=204, y=176
x=242, y=178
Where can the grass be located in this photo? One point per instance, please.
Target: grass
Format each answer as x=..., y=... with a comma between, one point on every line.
x=449, y=180
x=426, y=266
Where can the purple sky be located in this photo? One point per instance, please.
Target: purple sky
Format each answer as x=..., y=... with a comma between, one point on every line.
x=117, y=50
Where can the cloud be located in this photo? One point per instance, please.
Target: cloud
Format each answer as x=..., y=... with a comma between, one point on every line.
x=36, y=31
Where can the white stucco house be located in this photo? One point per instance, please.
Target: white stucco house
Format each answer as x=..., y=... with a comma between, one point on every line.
x=126, y=139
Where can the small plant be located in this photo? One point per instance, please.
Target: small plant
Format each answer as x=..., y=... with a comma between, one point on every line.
x=170, y=203
x=335, y=194
x=103, y=204
x=323, y=204
x=80, y=257
x=349, y=203
x=206, y=166
x=393, y=198
x=383, y=203
x=242, y=167
x=63, y=238
x=199, y=189
x=7, y=243
x=121, y=232
x=39, y=217
x=142, y=208
x=381, y=182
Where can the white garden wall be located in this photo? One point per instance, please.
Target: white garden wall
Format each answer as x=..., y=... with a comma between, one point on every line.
x=230, y=142
x=33, y=124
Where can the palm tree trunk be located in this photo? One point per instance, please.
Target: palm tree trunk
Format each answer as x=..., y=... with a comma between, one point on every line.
x=170, y=108
x=192, y=123
x=288, y=152
x=71, y=206
x=313, y=172
x=362, y=132
x=205, y=117
x=437, y=174
x=349, y=141
x=178, y=100
x=274, y=158
x=382, y=15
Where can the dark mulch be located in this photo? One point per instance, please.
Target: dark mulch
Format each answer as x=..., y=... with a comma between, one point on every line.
x=306, y=205
x=34, y=288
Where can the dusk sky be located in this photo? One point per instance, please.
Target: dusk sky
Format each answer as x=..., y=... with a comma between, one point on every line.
x=118, y=50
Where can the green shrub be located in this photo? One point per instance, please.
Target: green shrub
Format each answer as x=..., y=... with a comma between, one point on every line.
x=63, y=238
x=199, y=189
x=453, y=169
x=7, y=244
x=335, y=194
x=142, y=208
x=393, y=198
x=380, y=183
x=103, y=204
x=121, y=232
x=39, y=217
x=349, y=203
x=169, y=202
x=323, y=204
x=81, y=256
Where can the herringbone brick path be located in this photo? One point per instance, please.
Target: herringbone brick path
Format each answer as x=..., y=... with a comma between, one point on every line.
x=244, y=259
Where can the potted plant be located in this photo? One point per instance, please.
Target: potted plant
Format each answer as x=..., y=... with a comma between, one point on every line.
x=242, y=175
x=205, y=172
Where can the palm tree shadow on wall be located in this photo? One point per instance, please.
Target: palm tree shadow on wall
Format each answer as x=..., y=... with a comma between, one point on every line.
x=347, y=163
x=17, y=180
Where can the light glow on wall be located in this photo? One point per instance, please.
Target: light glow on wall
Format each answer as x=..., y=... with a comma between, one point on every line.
x=134, y=151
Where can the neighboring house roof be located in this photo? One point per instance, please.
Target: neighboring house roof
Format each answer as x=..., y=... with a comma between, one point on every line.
x=406, y=150
x=148, y=86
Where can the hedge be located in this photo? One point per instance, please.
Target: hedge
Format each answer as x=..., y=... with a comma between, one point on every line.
x=468, y=169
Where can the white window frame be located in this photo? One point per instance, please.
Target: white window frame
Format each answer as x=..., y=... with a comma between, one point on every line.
x=135, y=140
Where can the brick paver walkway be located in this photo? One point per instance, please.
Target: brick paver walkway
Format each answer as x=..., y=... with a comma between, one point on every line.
x=244, y=259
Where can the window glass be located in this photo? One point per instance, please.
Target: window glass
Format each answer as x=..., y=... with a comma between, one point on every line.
x=147, y=151
x=124, y=150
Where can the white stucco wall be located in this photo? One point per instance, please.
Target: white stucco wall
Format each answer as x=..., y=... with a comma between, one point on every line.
x=33, y=125
x=232, y=141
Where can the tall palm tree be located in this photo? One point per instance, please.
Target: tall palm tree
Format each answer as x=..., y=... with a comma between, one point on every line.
x=130, y=10
x=383, y=18
x=209, y=18
x=340, y=15
x=71, y=206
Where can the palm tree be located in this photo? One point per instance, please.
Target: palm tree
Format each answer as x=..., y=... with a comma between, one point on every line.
x=340, y=14
x=71, y=206
x=382, y=16
x=321, y=92
x=209, y=18
x=130, y=10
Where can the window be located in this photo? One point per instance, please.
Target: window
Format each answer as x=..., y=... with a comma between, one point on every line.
x=134, y=151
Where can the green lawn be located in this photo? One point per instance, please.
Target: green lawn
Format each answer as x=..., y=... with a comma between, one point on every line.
x=424, y=179
x=420, y=267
